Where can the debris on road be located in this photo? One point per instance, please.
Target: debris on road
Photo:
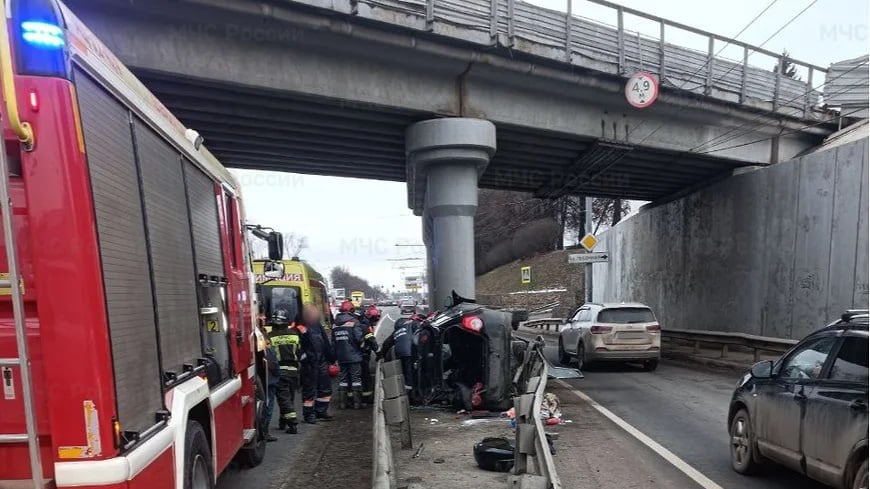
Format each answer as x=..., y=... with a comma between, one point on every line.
x=418, y=452
x=495, y=454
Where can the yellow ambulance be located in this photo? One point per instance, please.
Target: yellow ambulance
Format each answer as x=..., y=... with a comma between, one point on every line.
x=300, y=286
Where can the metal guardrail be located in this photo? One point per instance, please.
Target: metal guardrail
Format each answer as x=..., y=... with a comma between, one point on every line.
x=545, y=323
x=725, y=340
x=383, y=471
x=721, y=339
x=533, y=463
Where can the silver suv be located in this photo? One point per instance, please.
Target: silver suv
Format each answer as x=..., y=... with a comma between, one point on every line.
x=623, y=332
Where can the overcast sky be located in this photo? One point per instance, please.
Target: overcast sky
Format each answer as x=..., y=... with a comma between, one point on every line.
x=357, y=223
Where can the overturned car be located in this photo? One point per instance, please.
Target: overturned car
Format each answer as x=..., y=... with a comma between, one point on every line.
x=464, y=356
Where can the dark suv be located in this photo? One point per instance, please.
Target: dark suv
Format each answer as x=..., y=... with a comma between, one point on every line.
x=808, y=410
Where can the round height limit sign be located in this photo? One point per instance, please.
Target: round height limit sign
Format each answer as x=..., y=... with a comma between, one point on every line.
x=641, y=90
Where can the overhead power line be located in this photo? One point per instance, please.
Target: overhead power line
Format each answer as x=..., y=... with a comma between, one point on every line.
x=788, y=23
x=690, y=77
x=785, y=132
x=757, y=119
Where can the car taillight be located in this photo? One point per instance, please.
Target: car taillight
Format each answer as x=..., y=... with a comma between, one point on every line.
x=600, y=329
x=653, y=328
x=472, y=323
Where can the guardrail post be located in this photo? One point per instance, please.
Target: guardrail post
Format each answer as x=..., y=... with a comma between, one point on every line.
x=430, y=14
x=779, y=66
x=661, y=51
x=510, y=22
x=724, y=351
x=397, y=409
x=493, y=22
x=697, y=348
x=807, y=99
x=708, y=83
x=620, y=37
x=569, y=39
x=756, y=355
x=743, y=74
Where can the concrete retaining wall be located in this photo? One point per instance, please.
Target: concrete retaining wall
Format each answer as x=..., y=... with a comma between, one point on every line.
x=778, y=251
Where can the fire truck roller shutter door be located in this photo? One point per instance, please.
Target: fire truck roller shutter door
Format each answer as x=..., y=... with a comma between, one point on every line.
x=208, y=257
x=169, y=239
x=204, y=222
x=123, y=252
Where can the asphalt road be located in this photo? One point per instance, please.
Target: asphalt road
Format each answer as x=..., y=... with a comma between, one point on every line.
x=684, y=408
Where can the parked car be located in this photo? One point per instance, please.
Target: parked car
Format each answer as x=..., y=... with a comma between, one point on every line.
x=623, y=332
x=808, y=410
x=407, y=307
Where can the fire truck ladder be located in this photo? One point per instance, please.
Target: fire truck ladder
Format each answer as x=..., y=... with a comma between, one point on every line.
x=22, y=361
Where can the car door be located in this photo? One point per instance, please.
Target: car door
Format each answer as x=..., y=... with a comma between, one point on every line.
x=836, y=411
x=569, y=340
x=780, y=402
x=583, y=324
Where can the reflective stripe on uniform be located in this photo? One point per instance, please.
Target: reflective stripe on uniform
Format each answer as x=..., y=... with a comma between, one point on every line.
x=285, y=339
x=289, y=416
x=368, y=335
x=324, y=399
x=307, y=403
x=287, y=367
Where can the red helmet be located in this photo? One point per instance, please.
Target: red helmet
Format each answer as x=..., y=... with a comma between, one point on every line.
x=332, y=370
x=346, y=306
x=373, y=312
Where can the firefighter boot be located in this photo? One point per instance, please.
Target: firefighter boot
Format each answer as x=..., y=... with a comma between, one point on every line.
x=291, y=428
x=357, y=400
x=308, y=415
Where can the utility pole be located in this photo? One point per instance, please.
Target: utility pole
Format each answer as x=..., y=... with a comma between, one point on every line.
x=587, y=276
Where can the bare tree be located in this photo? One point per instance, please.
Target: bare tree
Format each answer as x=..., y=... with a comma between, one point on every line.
x=294, y=244
x=787, y=66
x=342, y=278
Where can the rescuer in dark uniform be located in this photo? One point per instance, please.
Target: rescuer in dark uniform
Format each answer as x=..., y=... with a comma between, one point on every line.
x=286, y=344
x=347, y=339
x=316, y=382
x=370, y=345
x=401, y=340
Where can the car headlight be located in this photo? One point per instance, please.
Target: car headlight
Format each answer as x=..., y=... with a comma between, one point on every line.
x=744, y=380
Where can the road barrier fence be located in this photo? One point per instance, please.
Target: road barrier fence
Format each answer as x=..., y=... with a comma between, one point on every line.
x=720, y=339
x=533, y=462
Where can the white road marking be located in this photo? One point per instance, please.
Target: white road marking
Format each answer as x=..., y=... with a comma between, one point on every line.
x=666, y=454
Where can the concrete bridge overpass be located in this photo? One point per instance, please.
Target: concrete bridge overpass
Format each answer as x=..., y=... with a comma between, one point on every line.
x=329, y=87
x=451, y=95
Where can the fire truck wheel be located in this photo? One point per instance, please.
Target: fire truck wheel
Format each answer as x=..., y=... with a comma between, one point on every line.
x=198, y=472
x=253, y=454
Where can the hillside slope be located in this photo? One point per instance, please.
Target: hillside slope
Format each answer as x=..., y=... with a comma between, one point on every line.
x=553, y=279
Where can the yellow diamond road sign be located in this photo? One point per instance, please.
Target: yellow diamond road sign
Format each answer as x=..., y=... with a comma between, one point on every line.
x=588, y=242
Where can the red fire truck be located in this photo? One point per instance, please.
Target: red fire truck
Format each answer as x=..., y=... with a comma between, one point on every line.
x=125, y=282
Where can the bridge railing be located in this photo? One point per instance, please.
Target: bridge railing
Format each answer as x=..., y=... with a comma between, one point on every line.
x=719, y=339
x=616, y=50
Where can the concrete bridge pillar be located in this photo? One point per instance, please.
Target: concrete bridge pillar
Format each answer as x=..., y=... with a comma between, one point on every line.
x=445, y=159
